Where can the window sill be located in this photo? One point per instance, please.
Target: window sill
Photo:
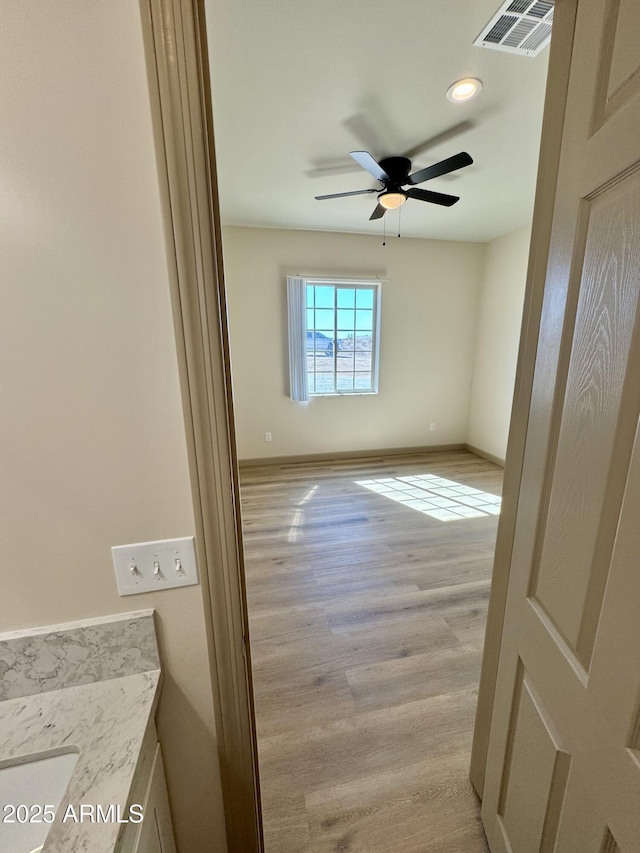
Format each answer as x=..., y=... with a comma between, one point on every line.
x=345, y=394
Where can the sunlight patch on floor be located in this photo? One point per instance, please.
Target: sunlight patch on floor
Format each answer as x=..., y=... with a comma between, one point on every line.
x=436, y=497
x=295, y=534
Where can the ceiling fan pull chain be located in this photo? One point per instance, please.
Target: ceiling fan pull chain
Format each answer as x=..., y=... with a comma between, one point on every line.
x=384, y=232
x=399, y=220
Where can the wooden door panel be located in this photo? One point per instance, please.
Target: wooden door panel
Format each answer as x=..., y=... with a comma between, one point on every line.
x=592, y=721
x=563, y=766
x=615, y=666
x=619, y=72
x=581, y=830
x=585, y=500
x=534, y=778
x=609, y=844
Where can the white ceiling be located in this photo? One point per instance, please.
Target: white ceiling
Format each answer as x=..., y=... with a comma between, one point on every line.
x=297, y=84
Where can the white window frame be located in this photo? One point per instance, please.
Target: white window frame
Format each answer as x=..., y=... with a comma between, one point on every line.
x=374, y=284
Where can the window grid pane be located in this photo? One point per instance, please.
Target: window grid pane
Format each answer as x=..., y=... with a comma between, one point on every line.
x=345, y=362
x=346, y=297
x=364, y=320
x=364, y=297
x=345, y=382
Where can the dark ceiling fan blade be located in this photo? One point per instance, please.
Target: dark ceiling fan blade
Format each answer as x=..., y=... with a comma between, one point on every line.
x=342, y=195
x=434, y=198
x=379, y=212
x=439, y=138
x=441, y=168
x=367, y=162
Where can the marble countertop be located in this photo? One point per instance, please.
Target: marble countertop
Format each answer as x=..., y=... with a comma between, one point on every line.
x=104, y=718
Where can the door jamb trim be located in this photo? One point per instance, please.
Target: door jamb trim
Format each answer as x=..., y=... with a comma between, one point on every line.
x=178, y=75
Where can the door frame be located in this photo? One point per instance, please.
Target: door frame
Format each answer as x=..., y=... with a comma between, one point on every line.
x=175, y=45
x=178, y=71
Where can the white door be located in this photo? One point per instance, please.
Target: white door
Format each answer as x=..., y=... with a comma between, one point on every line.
x=563, y=769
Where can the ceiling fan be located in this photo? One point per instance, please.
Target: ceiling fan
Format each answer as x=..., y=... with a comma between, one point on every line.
x=393, y=174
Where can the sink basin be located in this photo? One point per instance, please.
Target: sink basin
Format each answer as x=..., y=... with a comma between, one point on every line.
x=31, y=782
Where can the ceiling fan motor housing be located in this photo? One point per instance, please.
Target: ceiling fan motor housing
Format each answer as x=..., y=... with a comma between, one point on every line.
x=397, y=168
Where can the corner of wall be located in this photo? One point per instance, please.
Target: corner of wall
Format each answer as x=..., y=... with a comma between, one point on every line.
x=499, y=318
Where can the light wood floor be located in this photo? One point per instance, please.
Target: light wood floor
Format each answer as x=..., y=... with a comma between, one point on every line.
x=366, y=625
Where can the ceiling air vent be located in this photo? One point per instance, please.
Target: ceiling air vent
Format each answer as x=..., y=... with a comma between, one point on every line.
x=519, y=26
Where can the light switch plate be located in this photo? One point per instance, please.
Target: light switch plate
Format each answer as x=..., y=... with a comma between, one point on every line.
x=152, y=566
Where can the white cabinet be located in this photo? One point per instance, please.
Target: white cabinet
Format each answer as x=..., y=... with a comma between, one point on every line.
x=155, y=833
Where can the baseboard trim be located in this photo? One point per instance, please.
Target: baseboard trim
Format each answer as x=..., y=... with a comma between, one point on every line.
x=485, y=455
x=351, y=454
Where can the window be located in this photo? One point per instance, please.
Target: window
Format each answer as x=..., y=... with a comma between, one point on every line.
x=342, y=337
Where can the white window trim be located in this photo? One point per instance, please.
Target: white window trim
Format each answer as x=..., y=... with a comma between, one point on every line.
x=293, y=311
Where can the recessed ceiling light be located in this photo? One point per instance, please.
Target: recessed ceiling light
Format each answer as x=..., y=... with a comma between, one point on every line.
x=464, y=90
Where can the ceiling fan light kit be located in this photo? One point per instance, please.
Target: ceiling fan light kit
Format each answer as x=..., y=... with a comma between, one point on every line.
x=391, y=200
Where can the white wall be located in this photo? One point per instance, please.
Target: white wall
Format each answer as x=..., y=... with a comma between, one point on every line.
x=429, y=308
x=92, y=442
x=497, y=340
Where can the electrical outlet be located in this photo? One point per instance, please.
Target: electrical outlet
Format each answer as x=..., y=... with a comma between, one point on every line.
x=432, y=427
x=151, y=566
x=267, y=436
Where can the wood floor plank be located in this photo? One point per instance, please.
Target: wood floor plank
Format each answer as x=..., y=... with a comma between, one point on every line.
x=469, y=627
x=386, y=683
x=368, y=742
x=366, y=619
x=379, y=610
x=427, y=805
x=306, y=620
x=279, y=658
x=312, y=696
x=287, y=828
